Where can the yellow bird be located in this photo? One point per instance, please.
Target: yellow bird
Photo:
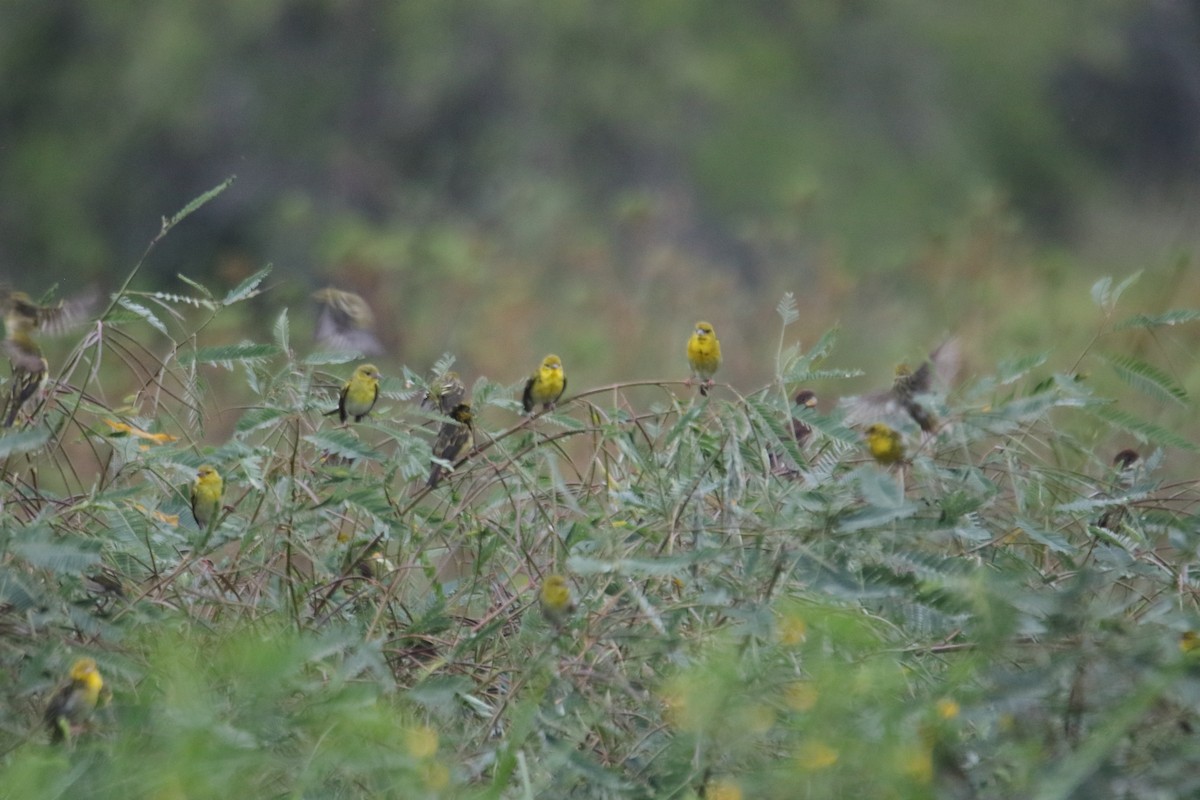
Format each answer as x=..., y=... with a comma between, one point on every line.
x=358, y=394
x=22, y=317
x=207, y=491
x=546, y=385
x=74, y=701
x=885, y=444
x=453, y=442
x=704, y=355
x=555, y=600
x=445, y=393
x=345, y=322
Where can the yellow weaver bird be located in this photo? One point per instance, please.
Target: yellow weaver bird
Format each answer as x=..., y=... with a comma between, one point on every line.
x=22, y=317
x=345, y=322
x=704, y=355
x=885, y=444
x=453, y=442
x=546, y=385
x=207, y=491
x=74, y=701
x=555, y=600
x=358, y=394
x=445, y=393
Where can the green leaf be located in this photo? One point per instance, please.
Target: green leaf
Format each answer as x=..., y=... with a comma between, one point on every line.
x=341, y=443
x=57, y=557
x=1167, y=318
x=282, y=329
x=23, y=442
x=1146, y=431
x=141, y=312
x=247, y=288
x=226, y=355
x=196, y=203
x=1146, y=378
x=787, y=309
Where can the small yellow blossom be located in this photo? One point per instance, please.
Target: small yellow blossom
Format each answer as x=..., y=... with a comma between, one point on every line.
x=722, y=789
x=792, y=630
x=815, y=755
x=421, y=742
x=947, y=708
x=800, y=696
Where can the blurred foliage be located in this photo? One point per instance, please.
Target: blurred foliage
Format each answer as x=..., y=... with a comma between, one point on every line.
x=1005, y=615
x=591, y=178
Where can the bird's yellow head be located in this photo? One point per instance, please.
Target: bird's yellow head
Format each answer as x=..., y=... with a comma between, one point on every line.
x=461, y=413
x=704, y=330
x=885, y=444
x=806, y=398
x=85, y=670
x=368, y=371
x=205, y=472
x=903, y=370
x=552, y=363
x=555, y=594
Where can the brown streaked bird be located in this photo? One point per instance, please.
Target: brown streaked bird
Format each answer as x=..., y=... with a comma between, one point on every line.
x=805, y=398
x=444, y=394
x=904, y=398
x=22, y=318
x=345, y=323
x=454, y=441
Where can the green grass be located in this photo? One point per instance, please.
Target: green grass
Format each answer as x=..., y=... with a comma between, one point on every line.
x=793, y=622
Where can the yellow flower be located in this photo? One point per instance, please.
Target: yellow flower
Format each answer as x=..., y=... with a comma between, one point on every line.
x=345, y=323
x=453, y=441
x=75, y=700
x=815, y=755
x=792, y=630
x=704, y=355
x=800, y=696
x=722, y=789
x=206, y=495
x=885, y=444
x=546, y=385
x=358, y=394
x=421, y=742
x=555, y=600
x=445, y=393
x=916, y=761
x=947, y=708
x=1189, y=641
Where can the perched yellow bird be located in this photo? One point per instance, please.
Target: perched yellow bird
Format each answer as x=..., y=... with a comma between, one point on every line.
x=358, y=394
x=75, y=700
x=704, y=355
x=345, y=322
x=207, y=491
x=453, y=441
x=555, y=600
x=445, y=393
x=22, y=317
x=805, y=398
x=885, y=444
x=546, y=385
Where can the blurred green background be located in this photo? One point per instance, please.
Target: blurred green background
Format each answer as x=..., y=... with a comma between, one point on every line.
x=504, y=178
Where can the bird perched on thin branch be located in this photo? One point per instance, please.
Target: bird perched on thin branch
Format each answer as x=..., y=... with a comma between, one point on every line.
x=22, y=318
x=454, y=441
x=546, y=385
x=555, y=600
x=207, y=491
x=805, y=398
x=74, y=701
x=345, y=323
x=358, y=394
x=704, y=355
x=444, y=393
